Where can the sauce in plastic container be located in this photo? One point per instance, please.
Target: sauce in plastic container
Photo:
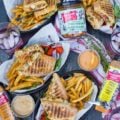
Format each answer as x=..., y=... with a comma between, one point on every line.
x=71, y=17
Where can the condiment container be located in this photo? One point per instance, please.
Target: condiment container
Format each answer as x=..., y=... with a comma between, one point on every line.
x=89, y=60
x=71, y=16
x=5, y=110
x=9, y=37
x=23, y=106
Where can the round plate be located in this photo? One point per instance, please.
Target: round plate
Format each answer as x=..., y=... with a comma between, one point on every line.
x=66, y=75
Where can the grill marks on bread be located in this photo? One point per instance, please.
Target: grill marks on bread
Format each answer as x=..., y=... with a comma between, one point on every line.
x=59, y=111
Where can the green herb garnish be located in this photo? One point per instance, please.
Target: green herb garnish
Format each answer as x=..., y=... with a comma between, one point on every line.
x=58, y=63
x=117, y=11
x=104, y=61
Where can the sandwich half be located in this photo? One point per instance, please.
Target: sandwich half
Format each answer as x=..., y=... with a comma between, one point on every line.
x=56, y=88
x=95, y=20
x=23, y=55
x=38, y=65
x=105, y=10
x=58, y=110
x=34, y=5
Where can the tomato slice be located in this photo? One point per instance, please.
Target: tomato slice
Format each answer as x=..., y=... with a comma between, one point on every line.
x=59, y=49
x=50, y=51
x=43, y=117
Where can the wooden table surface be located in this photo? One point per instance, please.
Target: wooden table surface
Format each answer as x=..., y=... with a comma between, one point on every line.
x=71, y=63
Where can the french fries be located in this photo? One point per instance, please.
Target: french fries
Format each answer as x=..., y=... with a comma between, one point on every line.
x=27, y=20
x=21, y=86
x=87, y=3
x=79, y=89
x=17, y=81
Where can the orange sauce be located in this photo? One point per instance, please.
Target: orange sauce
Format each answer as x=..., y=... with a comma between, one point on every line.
x=88, y=60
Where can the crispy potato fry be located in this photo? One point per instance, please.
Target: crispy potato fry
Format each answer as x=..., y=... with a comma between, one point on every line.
x=79, y=88
x=82, y=90
x=84, y=96
x=74, y=92
x=11, y=83
x=11, y=77
x=80, y=105
x=71, y=83
x=33, y=80
x=88, y=84
x=21, y=86
x=80, y=79
x=17, y=80
x=12, y=68
x=78, y=74
x=72, y=97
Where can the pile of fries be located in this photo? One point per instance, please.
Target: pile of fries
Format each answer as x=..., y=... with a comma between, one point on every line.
x=87, y=3
x=17, y=81
x=79, y=89
x=28, y=20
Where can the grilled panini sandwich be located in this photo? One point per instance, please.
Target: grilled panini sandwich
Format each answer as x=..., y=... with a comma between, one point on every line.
x=27, y=52
x=58, y=111
x=94, y=19
x=100, y=13
x=42, y=14
x=105, y=10
x=34, y=5
x=38, y=65
x=56, y=88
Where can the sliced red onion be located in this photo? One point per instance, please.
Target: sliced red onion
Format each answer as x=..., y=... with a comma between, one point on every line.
x=3, y=35
x=114, y=37
x=2, y=46
x=118, y=34
x=15, y=33
x=11, y=41
x=5, y=43
x=1, y=40
x=116, y=116
x=16, y=39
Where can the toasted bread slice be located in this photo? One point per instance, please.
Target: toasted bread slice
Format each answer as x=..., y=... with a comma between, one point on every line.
x=44, y=12
x=105, y=10
x=58, y=111
x=38, y=65
x=56, y=89
x=95, y=20
x=24, y=54
x=34, y=5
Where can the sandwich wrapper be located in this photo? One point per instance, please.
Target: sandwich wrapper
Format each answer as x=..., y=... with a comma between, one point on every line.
x=43, y=36
x=81, y=112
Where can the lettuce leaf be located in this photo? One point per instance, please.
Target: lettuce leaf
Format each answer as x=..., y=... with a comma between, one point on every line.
x=117, y=11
